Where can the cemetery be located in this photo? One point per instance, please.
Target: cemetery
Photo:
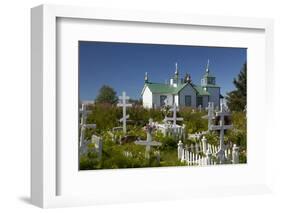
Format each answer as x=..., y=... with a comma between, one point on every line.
x=128, y=135
x=139, y=107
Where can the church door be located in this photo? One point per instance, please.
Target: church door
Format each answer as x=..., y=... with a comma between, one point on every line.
x=187, y=100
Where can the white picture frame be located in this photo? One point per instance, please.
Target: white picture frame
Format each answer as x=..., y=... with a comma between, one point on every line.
x=45, y=171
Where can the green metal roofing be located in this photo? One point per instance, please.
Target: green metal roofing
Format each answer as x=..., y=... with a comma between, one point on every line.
x=166, y=88
x=200, y=90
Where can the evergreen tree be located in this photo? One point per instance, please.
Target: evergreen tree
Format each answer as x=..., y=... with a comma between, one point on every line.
x=237, y=99
x=106, y=95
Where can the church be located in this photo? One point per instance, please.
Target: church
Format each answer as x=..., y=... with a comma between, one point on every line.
x=182, y=91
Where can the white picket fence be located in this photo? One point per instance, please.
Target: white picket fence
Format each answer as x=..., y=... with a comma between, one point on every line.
x=193, y=159
x=203, y=153
x=199, y=148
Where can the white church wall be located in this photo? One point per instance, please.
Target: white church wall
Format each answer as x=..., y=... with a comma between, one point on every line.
x=187, y=90
x=214, y=95
x=176, y=99
x=147, y=98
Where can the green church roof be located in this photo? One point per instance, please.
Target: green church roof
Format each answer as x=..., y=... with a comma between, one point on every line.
x=200, y=90
x=166, y=88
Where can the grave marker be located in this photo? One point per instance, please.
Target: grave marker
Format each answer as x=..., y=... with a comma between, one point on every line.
x=174, y=118
x=123, y=103
x=148, y=142
x=84, y=112
x=221, y=128
x=210, y=115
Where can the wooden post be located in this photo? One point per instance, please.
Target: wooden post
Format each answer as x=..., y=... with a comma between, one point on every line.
x=208, y=157
x=180, y=150
x=235, y=154
x=204, y=142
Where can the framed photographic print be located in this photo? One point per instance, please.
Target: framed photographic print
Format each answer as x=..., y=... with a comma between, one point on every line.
x=149, y=106
x=162, y=123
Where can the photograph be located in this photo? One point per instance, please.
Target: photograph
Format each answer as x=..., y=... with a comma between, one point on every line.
x=160, y=105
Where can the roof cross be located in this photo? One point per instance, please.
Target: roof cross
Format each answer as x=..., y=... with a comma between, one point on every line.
x=176, y=72
x=208, y=64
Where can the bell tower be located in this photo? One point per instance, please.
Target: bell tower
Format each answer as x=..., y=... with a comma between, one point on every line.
x=208, y=79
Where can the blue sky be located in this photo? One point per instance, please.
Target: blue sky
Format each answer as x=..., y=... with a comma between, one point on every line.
x=123, y=65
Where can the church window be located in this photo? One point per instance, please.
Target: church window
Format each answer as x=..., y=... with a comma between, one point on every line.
x=162, y=100
x=199, y=101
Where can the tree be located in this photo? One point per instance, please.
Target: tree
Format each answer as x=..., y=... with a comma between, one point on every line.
x=237, y=99
x=106, y=95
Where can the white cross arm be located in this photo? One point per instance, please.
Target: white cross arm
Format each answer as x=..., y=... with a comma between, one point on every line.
x=215, y=127
x=89, y=125
x=124, y=97
x=228, y=126
x=121, y=120
x=126, y=105
x=153, y=143
x=221, y=127
x=223, y=113
x=171, y=119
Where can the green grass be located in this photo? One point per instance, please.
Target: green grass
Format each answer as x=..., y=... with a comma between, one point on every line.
x=106, y=117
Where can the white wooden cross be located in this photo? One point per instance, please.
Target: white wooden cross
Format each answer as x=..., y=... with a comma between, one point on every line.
x=84, y=112
x=221, y=127
x=148, y=142
x=174, y=118
x=210, y=115
x=123, y=103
